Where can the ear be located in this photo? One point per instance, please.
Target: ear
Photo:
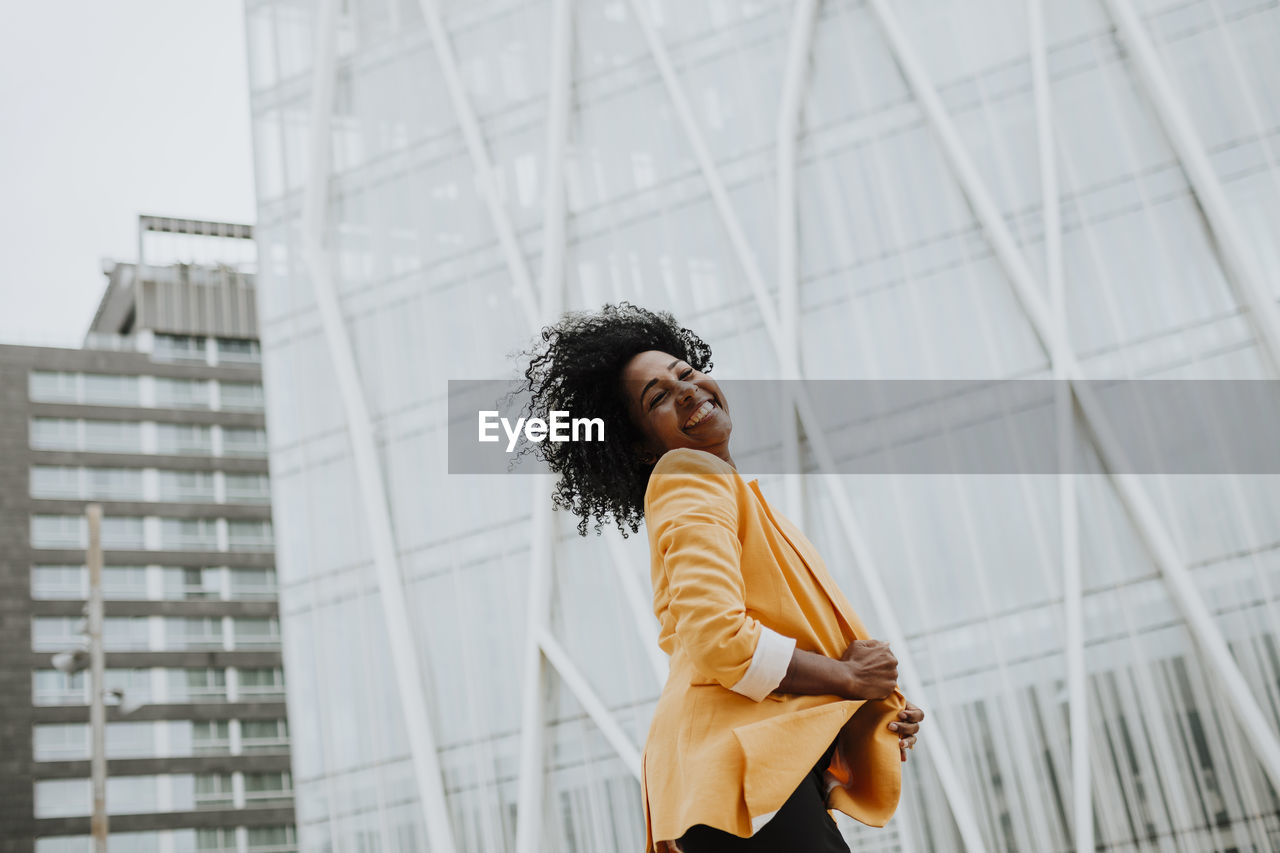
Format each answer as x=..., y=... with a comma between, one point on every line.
x=647, y=456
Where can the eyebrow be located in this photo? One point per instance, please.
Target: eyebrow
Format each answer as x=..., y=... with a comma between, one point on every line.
x=651, y=382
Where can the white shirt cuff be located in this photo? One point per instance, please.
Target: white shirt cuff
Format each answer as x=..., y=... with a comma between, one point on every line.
x=768, y=665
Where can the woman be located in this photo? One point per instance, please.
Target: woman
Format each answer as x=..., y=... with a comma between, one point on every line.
x=778, y=706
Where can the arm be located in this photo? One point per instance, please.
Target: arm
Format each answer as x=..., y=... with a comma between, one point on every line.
x=867, y=670
x=692, y=513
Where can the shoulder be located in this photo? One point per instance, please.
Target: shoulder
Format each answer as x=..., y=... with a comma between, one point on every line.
x=686, y=460
x=684, y=479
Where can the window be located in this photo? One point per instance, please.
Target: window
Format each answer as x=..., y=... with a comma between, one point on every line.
x=120, y=583
x=242, y=395
x=122, y=533
x=265, y=683
x=186, y=486
x=71, y=531
x=188, y=534
x=55, y=633
x=53, y=387
x=54, y=482
x=197, y=685
x=249, y=535
x=125, y=633
x=248, y=488
x=244, y=441
x=178, y=348
x=189, y=584
x=54, y=687
x=60, y=742
x=272, y=839
x=53, y=582
x=238, y=349
x=107, y=390
x=113, y=436
x=113, y=484
x=213, y=791
x=184, y=438
x=261, y=787
x=182, y=393
x=55, y=434
x=58, y=531
x=194, y=632
x=252, y=632
x=135, y=682
x=264, y=735
x=216, y=839
x=253, y=583
x=210, y=737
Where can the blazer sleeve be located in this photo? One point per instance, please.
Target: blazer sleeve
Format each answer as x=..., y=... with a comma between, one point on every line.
x=692, y=513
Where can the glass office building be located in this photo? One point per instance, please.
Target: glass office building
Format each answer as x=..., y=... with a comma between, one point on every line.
x=836, y=190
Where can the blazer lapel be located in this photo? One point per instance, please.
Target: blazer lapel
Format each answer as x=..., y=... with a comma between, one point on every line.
x=824, y=580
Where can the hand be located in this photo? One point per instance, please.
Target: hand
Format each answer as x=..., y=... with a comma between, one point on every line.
x=874, y=669
x=906, y=726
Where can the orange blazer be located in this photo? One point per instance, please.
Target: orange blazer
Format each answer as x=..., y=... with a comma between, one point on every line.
x=733, y=584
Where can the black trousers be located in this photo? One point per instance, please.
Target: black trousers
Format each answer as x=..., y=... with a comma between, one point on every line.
x=802, y=825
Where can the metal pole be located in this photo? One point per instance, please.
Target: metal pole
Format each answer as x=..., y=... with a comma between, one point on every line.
x=97, y=675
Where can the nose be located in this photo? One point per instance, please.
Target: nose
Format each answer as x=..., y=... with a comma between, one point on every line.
x=687, y=390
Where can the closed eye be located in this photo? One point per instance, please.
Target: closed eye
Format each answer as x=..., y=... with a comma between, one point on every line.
x=657, y=398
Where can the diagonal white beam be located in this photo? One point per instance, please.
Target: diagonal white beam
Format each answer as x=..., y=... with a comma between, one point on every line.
x=640, y=609
x=480, y=161
x=411, y=689
x=1173, y=569
x=1064, y=407
x=591, y=703
x=799, y=45
x=1250, y=284
x=715, y=184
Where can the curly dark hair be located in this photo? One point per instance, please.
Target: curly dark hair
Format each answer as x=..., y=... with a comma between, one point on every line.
x=576, y=369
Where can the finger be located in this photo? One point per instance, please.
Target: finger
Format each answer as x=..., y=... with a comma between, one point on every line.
x=903, y=753
x=904, y=729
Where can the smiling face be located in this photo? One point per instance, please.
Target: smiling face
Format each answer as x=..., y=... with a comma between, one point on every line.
x=673, y=405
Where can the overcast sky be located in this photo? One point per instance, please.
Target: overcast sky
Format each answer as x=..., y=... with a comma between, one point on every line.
x=109, y=110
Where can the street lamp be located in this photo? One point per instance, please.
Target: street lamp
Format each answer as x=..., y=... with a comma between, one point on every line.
x=94, y=660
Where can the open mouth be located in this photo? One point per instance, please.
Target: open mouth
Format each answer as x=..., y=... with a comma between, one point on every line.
x=702, y=413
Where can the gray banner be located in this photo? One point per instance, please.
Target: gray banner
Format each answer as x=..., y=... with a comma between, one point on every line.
x=930, y=427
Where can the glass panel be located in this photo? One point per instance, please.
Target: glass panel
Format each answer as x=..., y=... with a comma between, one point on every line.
x=197, y=685
x=107, y=390
x=113, y=436
x=46, y=386
x=178, y=348
x=188, y=534
x=59, y=531
x=118, y=484
x=244, y=441
x=241, y=395
x=186, y=486
x=184, y=583
x=248, y=488
x=184, y=438
x=253, y=583
x=49, y=582
x=55, y=482
x=232, y=349
x=193, y=632
x=182, y=393
x=249, y=535
x=252, y=632
x=55, y=434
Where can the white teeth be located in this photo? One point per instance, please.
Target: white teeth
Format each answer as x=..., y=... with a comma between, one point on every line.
x=703, y=411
